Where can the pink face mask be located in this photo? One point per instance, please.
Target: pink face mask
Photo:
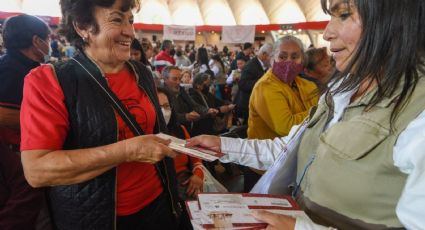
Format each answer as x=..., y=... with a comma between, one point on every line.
x=286, y=71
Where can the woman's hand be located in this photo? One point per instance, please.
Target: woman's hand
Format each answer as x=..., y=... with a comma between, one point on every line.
x=213, y=112
x=147, y=148
x=205, y=141
x=192, y=116
x=195, y=185
x=227, y=108
x=275, y=221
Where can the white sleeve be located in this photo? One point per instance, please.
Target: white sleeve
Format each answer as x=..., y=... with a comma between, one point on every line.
x=203, y=68
x=215, y=69
x=259, y=154
x=229, y=80
x=304, y=223
x=409, y=157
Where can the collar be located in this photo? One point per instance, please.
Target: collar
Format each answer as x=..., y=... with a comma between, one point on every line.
x=307, y=77
x=262, y=64
x=22, y=58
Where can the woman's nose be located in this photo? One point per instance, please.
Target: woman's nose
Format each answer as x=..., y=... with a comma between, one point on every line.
x=329, y=32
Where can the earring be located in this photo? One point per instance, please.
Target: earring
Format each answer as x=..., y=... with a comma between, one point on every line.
x=85, y=39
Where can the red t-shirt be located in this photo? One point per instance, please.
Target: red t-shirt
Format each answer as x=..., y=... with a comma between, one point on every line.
x=44, y=125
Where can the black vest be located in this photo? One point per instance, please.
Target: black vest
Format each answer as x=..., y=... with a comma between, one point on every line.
x=92, y=122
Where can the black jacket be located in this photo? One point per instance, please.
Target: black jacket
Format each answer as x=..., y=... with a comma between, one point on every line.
x=205, y=125
x=91, y=204
x=233, y=64
x=14, y=66
x=182, y=103
x=251, y=73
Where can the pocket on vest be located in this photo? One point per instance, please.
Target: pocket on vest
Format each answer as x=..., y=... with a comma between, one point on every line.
x=354, y=139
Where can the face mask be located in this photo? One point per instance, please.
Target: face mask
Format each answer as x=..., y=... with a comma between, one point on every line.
x=205, y=89
x=286, y=71
x=172, y=52
x=46, y=57
x=167, y=115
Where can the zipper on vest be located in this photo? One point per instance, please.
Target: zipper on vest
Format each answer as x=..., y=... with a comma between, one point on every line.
x=169, y=190
x=159, y=129
x=167, y=181
x=116, y=179
x=146, y=92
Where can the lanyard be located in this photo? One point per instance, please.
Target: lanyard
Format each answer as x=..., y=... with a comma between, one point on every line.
x=330, y=103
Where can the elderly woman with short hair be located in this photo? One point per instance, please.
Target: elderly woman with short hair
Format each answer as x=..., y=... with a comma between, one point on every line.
x=87, y=128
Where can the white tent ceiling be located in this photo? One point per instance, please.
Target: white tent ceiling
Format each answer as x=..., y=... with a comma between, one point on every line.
x=198, y=12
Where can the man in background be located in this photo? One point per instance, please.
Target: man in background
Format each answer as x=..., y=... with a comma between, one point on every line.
x=165, y=57
x=246, y=52
x=251, y=73
x=26, y=39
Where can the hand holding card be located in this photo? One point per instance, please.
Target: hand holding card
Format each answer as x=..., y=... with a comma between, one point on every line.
x=179, y=145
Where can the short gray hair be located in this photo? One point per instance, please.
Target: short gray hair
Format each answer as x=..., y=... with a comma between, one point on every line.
x=266, y=48
x=287, y=38
x=199, y=79
x=166, y=71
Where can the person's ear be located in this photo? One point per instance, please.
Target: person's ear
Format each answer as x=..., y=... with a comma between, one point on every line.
x=82, y=32
x=37, y=41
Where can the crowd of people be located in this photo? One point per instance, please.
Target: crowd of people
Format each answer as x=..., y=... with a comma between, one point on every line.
x=80, y=108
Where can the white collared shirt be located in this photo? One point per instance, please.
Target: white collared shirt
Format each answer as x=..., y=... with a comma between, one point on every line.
x=262, y=64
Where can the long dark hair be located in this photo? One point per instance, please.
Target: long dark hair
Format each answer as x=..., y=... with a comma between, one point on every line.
x=217, y=58
x=135, y=44
x=390, y=51
x=202, y=57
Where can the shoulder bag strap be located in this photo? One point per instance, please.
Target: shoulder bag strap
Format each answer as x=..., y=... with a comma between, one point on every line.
x=113, y=100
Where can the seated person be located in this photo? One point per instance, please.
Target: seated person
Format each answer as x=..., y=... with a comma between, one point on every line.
x=189, y=176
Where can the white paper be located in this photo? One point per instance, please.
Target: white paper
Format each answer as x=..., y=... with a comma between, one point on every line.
x=267, y=201
x=221, y=202
x=282, y=173
x=225, y=210
x=179, y=146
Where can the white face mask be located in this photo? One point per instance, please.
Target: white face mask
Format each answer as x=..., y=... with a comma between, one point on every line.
x=46, y=57
x=167, y=115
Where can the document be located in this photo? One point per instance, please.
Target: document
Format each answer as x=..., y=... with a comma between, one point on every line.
x=179, y=145
x=233, y=210
x=280, y=178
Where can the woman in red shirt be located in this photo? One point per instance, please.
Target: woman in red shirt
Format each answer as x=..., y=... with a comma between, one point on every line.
x=101, y=171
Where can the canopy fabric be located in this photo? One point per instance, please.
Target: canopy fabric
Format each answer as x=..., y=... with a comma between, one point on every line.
x=198, y=12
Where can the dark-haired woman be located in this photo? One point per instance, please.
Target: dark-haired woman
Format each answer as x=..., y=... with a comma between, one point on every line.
x=201, y=65
x=103, y=166
x=361, y=156
x=218, y=68
x=137, y=53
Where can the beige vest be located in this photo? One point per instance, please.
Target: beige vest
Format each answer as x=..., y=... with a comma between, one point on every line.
x=352, y=182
